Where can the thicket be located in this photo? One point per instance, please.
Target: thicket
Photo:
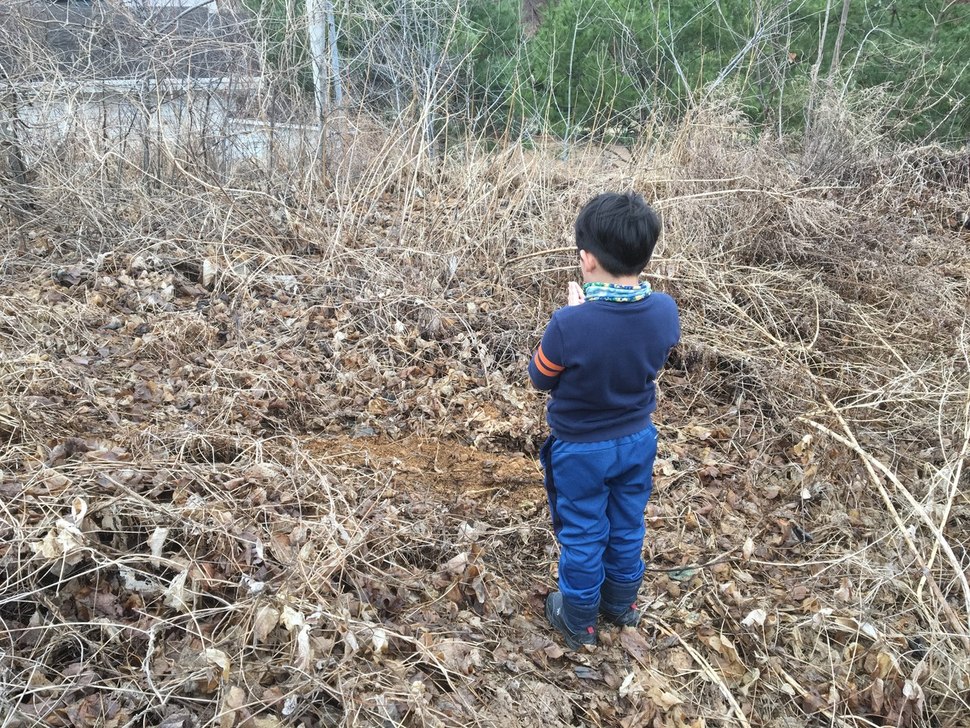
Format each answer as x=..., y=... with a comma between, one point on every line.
x=266, y=437
x=606, y=67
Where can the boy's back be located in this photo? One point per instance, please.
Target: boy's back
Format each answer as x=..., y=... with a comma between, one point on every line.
x=611, y=353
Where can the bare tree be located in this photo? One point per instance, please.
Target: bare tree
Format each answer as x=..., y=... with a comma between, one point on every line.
x=837, y=51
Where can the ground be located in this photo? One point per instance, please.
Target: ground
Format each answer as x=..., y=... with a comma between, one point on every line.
x=274, y=462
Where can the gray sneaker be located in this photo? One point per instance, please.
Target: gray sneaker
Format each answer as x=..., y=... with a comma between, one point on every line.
x=629, y=617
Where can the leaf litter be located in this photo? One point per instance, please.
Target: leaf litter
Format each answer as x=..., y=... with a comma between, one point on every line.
x=244, y=486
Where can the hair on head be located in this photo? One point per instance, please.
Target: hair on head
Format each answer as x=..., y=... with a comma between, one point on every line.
x=621, y=230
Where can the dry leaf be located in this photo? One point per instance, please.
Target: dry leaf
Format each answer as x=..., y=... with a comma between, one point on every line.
x=175, y=595
x=261, y=471
x=458, y=655
x=747, y=549
x=730, y=663
x=553, y=651
x=79, y=509
x=885, y=666
x=281, y=548
x=379, y=641
x=662, y=698
x=351, y=645
x=289, y=705
x=456, y=565
x=291, y=618
x=304, y=653
x=878, y=695
x=267, y=619
x=652, y=684
x=295, y=623
x=155, y=544
x=233, y=701
x=803, y=448
x=65, y=539
x=55, y=482
x=799, y=593
x=635, y=644
x=262, y=721
x=755, y=617
x=209, y=272
x=629, y=685
x=218, y=658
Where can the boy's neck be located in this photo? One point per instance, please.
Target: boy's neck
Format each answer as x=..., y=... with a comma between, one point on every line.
x=593, y=272
x=615, y=280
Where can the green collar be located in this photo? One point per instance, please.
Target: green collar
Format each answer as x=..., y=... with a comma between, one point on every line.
x=616, y=293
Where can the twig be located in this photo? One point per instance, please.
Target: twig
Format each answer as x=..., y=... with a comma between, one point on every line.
x=871, y=464
x=795, y=685
x=705, y=666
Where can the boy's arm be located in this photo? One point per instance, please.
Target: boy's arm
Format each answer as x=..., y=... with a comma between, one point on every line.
x=545, y=366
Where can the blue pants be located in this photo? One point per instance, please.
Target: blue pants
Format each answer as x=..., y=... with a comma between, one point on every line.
x=598, y=492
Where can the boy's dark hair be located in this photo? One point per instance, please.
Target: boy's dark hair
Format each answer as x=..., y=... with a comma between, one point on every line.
x=620, y=230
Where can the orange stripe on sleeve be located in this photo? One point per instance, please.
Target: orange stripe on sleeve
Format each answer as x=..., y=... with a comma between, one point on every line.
x=543, y=369
x=541, y=357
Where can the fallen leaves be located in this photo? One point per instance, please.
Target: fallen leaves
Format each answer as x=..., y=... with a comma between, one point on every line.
x=267, y=618
x=457, y=655
x=220, y=659
x=296, y=624
x=636, y=646
x=755, y=618
x=220, y=560
x=65, y=541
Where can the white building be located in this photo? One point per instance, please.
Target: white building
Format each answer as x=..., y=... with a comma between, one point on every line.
x=130, y=75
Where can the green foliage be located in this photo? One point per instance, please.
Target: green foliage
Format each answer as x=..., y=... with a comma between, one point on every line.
x=281, y=31
x=582, y=65
x=488, y=44
x=609, y=64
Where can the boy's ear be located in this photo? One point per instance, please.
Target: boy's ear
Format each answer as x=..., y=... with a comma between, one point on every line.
x=587, y=261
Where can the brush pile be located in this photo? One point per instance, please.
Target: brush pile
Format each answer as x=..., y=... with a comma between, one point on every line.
x=268, y=444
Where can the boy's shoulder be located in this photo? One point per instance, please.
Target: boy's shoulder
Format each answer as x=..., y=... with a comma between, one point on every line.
x=657, y=304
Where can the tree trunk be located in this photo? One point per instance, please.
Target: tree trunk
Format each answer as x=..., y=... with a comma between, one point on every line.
x=837, y=51
x=23, y=198
x=813, y=76
x=338, y=92
x=324, y=57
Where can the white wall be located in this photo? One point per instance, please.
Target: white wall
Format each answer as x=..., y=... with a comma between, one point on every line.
x=212, y=6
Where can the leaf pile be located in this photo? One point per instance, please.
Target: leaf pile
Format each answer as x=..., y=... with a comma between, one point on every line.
x=268, y=458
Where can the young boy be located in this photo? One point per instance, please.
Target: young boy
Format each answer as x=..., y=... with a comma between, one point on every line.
x=599, y=358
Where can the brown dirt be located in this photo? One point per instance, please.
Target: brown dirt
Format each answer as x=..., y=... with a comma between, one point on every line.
x=442, y=468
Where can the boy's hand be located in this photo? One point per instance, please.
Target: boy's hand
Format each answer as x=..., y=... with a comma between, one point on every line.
x=575, y=295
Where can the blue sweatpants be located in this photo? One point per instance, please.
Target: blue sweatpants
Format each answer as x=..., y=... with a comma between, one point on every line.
x=597, y=493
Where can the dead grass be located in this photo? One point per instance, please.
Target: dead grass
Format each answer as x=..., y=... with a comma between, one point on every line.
x=221, y=391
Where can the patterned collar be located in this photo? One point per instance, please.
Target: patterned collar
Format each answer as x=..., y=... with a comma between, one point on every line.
x=616, y=293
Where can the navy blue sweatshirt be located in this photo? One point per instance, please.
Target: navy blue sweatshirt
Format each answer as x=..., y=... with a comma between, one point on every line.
x=600, y=360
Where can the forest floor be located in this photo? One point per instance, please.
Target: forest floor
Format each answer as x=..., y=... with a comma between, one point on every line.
x=265, y=465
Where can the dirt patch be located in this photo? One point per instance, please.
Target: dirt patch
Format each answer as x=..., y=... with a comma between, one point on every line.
x=448, y=470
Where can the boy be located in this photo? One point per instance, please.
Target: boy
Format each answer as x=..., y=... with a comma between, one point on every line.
x=599, y=358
